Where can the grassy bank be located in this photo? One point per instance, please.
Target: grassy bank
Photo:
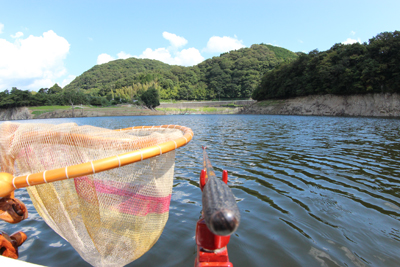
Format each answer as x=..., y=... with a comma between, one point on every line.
x=46, y=112
x=36, y=111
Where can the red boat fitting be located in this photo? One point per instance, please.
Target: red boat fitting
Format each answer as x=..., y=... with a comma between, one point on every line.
x=220, y=218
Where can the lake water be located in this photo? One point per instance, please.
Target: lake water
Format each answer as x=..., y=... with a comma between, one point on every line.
x=312, y=191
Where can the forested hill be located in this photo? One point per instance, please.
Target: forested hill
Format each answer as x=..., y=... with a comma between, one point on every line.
x=231, y=75
x=118, y=73
x=372, y=67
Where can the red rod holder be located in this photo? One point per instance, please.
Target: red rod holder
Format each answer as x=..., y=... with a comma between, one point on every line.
x=212, y=249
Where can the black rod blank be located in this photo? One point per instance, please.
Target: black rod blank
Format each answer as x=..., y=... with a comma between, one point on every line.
x=220, y=210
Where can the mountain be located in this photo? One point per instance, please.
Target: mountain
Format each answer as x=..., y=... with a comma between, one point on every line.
x=116, y=73
x=234, y=74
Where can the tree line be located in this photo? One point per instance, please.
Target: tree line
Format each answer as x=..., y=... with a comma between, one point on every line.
x=47, y=97
x=372, y=67
x=64, y=97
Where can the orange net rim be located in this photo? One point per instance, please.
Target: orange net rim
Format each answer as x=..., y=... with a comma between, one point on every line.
x=108, y=163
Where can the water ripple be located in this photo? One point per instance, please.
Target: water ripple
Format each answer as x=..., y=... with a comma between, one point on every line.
x=312, y=191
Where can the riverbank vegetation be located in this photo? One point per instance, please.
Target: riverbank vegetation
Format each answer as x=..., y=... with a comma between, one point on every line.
x=372, y=67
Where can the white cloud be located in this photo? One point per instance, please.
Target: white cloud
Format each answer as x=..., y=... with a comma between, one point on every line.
x=123, y=55
x=39, y=83
x=185, y=57
x=17, y=35
x=33, y=62
x=161, y=54
x=353, y=33
x=189, y=57
x=1, y=27
x=67, y=80
x=104, y=58
x=273, y=44
x=218, y=44
x=351, y=41
x=175, y=40
x=171, y=55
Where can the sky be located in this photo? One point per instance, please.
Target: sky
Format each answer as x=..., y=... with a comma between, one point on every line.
x=43, y=42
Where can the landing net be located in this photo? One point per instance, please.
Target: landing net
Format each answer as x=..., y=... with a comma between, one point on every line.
x=113, y=211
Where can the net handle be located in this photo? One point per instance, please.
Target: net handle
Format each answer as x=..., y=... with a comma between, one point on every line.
x=92, y=167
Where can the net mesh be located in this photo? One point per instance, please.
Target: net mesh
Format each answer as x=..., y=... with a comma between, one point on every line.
x=111, y=218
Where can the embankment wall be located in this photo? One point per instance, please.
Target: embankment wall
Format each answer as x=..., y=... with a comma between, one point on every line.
x=369, y=105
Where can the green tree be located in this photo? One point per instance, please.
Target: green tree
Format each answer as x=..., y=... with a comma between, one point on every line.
x=43, y=90
x=73, y=97
x=55, y=89
x=151, y=98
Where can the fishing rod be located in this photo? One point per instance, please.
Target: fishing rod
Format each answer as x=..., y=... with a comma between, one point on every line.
x=220, y=210
x=220, y=217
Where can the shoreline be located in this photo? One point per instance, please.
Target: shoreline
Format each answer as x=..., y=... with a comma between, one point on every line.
x=369, y=105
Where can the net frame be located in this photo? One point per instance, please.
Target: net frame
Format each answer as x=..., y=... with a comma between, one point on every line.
x=100, y=223
x=104, y=164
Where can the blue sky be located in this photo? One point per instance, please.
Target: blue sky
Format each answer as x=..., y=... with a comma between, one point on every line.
x=43, y=42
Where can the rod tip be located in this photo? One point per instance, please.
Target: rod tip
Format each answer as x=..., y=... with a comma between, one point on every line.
x=223, y=222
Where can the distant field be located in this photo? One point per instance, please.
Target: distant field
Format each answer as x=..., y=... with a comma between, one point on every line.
x=44, y=109
x=87, y=111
